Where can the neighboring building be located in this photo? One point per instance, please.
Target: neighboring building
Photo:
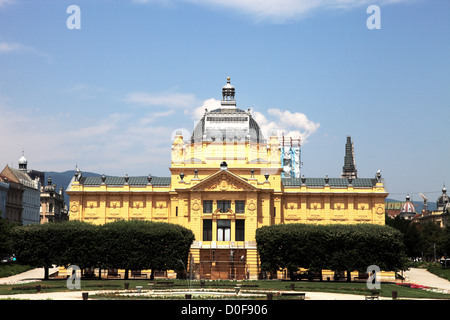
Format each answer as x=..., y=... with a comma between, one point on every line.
x=438, y=216
x=226, y=181
x=393, y=208
x=442, y=201
x=24, y=188
x=4, y=187
x=52, y=204
x=13, y=205
x=408, y=211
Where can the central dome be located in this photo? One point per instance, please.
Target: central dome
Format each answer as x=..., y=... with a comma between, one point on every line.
x=227, y=123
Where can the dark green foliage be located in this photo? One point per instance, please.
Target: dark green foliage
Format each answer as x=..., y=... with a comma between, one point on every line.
x=422, y=240
x=123, y=244
x=334, y=247
x=145, y=245
x=32, y=244
x=412, y=237
x=433, y=241
x=5, y=237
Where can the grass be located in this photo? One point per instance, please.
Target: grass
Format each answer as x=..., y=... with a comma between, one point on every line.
x=438, y=270
x=263, y=285
x=58, y=285
x=10, y=269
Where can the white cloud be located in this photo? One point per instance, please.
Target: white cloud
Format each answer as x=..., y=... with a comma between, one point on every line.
x=171, y=100
x=278, y=11
x=84, y=91
x=265, y=9
x=197, y=113
x=6, y=48
x=153, y=117
x=13, y=47
x=116, y=143
x=5, y=2
x=103, y=128
x=152, y=1
x=285, y=10
x=137, y=142
x=289, y=124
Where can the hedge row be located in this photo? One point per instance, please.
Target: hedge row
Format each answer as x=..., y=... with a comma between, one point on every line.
x=332, y=247
x=130, y=245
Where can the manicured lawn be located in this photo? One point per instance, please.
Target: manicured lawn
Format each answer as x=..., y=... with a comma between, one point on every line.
x=277, y=285
x=55, y=285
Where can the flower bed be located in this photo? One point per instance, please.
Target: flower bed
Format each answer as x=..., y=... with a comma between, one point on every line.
x=413, y=285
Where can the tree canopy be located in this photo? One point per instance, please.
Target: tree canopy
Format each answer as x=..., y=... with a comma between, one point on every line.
x=334, y=247
x=131, y=245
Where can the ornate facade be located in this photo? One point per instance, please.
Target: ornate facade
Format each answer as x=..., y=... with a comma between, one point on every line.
x=23, y=197
x=53, y=207
x=227, y=180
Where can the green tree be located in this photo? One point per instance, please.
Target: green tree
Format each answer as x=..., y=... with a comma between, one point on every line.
x=5, y=237
x=126, y=245
x=446, y=241
x=137, y=245
x=78, y=244
x=433, y=241
x=412, y=237
x=33, y=245
x=335, y=247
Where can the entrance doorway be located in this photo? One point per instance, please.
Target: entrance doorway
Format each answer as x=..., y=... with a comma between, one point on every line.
x=223, y=264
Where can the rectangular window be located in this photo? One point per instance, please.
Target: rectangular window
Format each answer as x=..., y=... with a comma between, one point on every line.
x=207, y=230
x=223, y=230
x=240, y=206
x=240, y=230
x=207, y=206
x=223, y=205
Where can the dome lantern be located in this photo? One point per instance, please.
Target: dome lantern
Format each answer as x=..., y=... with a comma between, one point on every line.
x=228, y=93
x=23, y=162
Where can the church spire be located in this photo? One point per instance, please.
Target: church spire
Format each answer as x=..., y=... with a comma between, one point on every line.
x=349, y=169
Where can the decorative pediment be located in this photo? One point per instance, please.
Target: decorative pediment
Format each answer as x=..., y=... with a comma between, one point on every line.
x=223, y=181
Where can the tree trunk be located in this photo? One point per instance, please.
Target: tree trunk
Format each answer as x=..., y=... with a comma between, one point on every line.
x=46, y=273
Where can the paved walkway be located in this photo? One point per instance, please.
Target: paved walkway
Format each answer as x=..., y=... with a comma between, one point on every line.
x=416, y=276
x=425, y=278
x=27, y=276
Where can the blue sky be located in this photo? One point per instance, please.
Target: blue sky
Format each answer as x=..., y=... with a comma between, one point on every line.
x=109, y=96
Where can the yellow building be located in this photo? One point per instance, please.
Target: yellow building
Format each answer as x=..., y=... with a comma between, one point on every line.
x=227, y=180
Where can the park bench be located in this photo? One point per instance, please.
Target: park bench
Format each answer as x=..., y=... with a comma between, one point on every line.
x=138, y=274
x=292, y=295
x=113, y=273
x=373, y=296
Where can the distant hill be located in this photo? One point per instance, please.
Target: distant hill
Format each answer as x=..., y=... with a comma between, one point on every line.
x=62, y=179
